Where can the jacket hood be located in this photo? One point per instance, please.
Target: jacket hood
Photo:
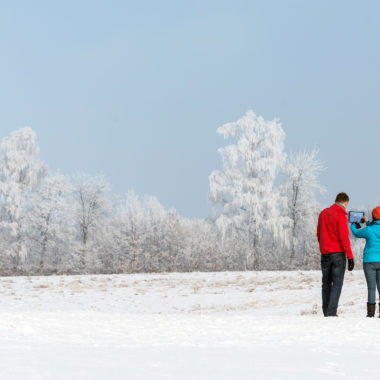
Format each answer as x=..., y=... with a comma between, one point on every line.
x=334, y=209
x=376, y=230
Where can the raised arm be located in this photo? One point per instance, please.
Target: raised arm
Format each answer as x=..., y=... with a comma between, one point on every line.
x=362, y=233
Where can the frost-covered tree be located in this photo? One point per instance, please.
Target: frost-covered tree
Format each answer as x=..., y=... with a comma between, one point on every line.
x=154, y=239
x=132, y=231
x=21, y=171
x=144, y=233
x=91, y=206
x=202, y=251
x=173, y=243
x=245, y=188
x=50, y=215
x=300, y=186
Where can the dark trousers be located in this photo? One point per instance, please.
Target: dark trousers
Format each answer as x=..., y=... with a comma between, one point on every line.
x=333, y=269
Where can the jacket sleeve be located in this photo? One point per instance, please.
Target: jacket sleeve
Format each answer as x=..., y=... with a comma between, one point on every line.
x=318, y=229
x=362, y=233
x=344, y=236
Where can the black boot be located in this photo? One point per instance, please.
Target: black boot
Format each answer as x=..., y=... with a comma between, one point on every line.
x=371, y=309
x=379, y=309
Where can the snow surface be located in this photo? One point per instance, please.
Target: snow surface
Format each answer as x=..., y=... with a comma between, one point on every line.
x=229, y=325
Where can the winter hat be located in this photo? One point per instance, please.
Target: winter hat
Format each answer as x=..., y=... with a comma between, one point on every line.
x=376, y=213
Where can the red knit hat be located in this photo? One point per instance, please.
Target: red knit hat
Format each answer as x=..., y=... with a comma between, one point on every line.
x=376, y=213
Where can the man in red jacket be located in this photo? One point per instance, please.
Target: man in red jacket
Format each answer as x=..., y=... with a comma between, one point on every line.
x=335, y=245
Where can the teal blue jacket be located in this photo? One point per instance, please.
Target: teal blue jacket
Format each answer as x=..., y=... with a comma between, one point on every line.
x=372, y=235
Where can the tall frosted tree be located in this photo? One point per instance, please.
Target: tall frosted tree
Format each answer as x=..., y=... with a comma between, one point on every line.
x=244, y=193
x=300, y=186
x=21, y=171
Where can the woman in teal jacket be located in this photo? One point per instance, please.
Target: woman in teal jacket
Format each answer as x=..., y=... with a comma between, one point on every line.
x=371, y=257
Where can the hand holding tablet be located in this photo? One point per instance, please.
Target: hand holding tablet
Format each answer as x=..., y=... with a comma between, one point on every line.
x=356, y=217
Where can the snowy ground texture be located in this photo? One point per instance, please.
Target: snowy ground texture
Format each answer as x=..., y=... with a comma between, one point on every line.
x=236, y=325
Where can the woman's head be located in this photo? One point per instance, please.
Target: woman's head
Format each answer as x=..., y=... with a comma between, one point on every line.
x=376, y=213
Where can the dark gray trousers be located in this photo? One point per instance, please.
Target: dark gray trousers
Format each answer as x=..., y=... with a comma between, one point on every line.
x=333, y=269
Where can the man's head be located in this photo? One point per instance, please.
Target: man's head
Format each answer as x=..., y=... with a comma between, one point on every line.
x=342, y=199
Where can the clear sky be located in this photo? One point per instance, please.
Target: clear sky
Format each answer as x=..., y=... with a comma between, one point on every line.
x=136, y=89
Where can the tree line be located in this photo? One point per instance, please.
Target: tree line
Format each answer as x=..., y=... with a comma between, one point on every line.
x=264, y=213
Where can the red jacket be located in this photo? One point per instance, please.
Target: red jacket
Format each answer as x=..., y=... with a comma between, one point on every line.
x=332, y=231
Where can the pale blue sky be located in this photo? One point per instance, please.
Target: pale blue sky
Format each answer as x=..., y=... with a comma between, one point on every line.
x=136, y=90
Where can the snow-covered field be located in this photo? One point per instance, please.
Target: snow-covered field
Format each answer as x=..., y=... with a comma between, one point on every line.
x=238, y=325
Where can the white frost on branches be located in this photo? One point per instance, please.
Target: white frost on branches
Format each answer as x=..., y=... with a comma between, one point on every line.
x=21, y=171
x=300, y=187
x=245, y=188
x=265, y=213
x=50, y=215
